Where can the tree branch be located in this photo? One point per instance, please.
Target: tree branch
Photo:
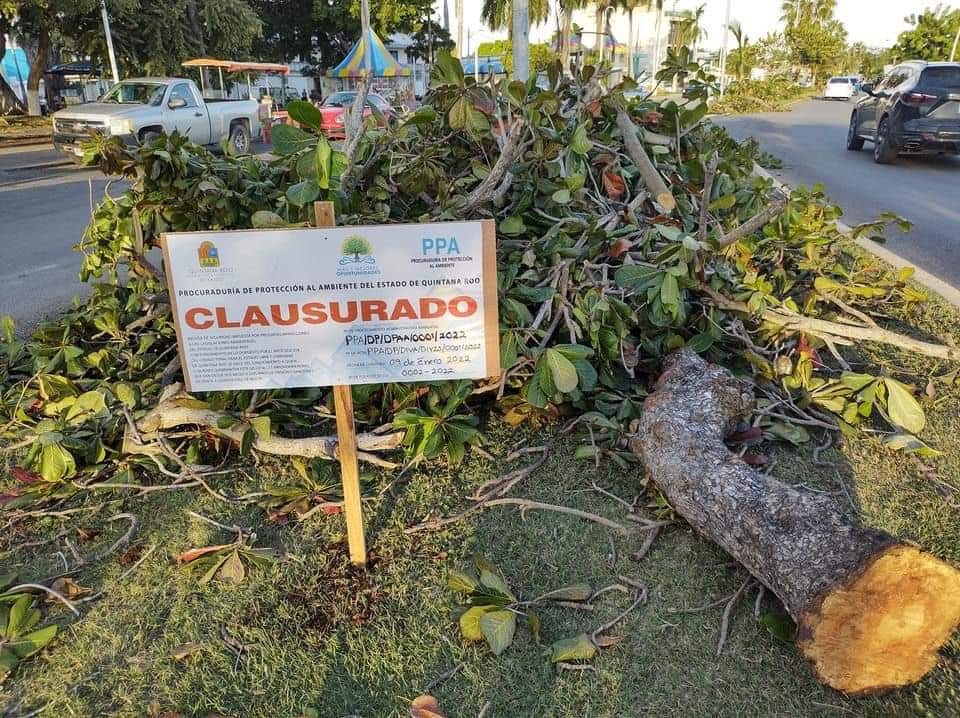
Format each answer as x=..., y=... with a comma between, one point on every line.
x=648, y=171
x=754, y=223
x=491, y=184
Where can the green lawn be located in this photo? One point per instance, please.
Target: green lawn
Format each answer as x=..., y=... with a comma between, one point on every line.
x=318, y=634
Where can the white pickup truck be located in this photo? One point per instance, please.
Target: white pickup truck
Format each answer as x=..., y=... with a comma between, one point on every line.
x=139, y=109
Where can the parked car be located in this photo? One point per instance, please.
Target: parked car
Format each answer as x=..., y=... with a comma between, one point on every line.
x=139, y=110
x=335, y=108
x=838, y=88
x=914, y=110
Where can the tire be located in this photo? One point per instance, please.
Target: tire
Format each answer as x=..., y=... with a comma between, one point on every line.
x=883, y=152
x=239, y=141
x=148, y=137
x=854, y=143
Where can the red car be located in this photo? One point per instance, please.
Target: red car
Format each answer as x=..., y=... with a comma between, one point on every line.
x=335, y=108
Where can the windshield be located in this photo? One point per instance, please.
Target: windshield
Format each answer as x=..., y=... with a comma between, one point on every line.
x=839, y=81
x=941, y=77
x=135, y=93
x=340, y=99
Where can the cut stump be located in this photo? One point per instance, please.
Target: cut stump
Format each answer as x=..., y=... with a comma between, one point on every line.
x=871, y=611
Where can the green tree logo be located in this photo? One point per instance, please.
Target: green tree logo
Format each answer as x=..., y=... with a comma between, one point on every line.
x=356, y=245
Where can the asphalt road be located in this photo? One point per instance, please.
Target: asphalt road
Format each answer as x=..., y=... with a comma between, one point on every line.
x=810, y=140
x=45, y=204
x=44, y=207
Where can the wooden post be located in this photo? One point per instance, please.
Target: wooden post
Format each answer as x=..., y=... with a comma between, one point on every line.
x=347, y=438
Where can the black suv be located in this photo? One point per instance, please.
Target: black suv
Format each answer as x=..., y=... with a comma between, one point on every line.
x=914, y=110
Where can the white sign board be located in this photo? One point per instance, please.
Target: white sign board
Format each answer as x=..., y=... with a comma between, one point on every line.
x=262, y=309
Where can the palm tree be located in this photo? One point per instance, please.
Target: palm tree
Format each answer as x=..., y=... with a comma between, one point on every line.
x=742, y=41
x=498, y=14
x=691, y=28
x=603, y=8
x=631, y=6
x=566, y=8
x=798, y=12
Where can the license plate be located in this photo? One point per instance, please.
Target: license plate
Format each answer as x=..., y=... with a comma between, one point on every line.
x=78, y=151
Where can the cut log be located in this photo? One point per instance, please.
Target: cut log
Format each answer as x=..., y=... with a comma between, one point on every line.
x=871, y=611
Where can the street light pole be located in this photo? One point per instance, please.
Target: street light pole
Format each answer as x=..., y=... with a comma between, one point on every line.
x=956, y=41
x=723, y=51
x=521, y=40
x=106, y=32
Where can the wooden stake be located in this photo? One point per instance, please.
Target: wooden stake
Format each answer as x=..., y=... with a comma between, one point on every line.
x=347, y=438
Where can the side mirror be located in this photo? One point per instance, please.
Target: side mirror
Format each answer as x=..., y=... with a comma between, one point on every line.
x=176, y=103
x=868, y=88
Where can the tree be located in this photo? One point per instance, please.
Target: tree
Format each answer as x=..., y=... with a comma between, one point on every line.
x=542, y=55
x=772, y=53
x=690, y=27
x=858, y=59
x=288, y=29
x=815, y=38
x=742, y=57
x=356, y=245
x=431, y=36
x=9, y=101
x=931, y=38
x=391, y=16
x=498, y=14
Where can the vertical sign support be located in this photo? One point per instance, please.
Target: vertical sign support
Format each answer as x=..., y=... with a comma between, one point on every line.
x=347, y=438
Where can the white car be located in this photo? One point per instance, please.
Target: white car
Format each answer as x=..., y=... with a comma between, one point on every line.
x=838, y=88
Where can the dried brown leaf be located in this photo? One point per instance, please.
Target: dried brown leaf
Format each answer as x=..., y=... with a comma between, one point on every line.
x=68, y=588
x=426, y=706
x=194, y=553
x=185, y=651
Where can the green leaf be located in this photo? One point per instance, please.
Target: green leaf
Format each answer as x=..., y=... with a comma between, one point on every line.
x=233, y=569
x=226, y=421
x=18, y=615
x=793, y=433
x=669, y=292
x=577, y=648
x=7, y=328
x=470, y=623
x=701, y=342
x=512, y=225
x=127, y=394
x=423, y=116
x=264, y=219
x=459, y=115
x=324, y=163
x=303, y=192
x=461, y=581
x=494, y=581
x=307, y=165
x=580, y=143
x=725, y=202
x=304, y=113
x=247, y=441
x=533, y=620
x=56, y=463
x=856, y=381
x=288, y=140
x=561, y=196
x=261, y=425
x=562, y=371
x=498, y=627
x=29, y=644
x=780, y=626
x=447, y=70
x=910, y=444
x=574, y=351
x=903, y=409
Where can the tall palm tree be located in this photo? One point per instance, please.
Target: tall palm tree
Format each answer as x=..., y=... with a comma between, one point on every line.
x=691, y=29
x=498, y=14
x=742, y=41
x=566, y=8
x=798, y=12
x=632, y=6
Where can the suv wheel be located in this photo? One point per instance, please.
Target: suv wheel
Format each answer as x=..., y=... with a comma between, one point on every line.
x=239, y=143
x=854, y=142
x=883, y=152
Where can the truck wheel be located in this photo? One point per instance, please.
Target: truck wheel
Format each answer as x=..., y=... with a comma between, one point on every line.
x=148, y=137
x=239, y=142
x=854, y=143
x=883, y=151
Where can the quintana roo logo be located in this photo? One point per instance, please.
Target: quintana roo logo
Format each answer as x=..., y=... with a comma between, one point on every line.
x=207, y=255
x=356, y=258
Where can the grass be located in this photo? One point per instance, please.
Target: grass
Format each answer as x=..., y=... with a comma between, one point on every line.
x=13, y=128
x=320, y=635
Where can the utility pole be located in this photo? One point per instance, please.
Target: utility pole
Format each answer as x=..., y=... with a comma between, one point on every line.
x=106, y=31
x=521, y=40
x=723, y=51
x=365, y=29
x=956, y=41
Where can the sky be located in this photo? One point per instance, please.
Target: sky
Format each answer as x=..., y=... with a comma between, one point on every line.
x=876, y=23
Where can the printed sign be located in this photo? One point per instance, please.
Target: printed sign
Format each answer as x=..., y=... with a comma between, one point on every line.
x=263, y=309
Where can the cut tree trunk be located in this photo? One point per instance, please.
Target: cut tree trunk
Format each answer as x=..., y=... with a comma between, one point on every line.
x=871, y=611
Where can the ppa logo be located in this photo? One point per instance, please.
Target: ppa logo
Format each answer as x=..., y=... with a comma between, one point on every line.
x=207, y=255
x=439, y=246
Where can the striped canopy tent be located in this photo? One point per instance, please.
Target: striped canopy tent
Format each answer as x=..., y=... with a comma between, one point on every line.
x=383, y=65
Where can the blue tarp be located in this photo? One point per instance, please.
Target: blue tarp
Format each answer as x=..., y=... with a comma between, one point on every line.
x=487, y=65
x=15, y=70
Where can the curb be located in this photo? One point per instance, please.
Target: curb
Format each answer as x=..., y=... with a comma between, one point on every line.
x=934, y=284
x=39, y=166
x=26, y=140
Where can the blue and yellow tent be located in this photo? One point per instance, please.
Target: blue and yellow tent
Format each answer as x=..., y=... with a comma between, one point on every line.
x=353, y=65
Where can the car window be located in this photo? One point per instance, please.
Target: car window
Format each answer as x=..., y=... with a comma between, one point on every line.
x=839, y=80
x=183, y=90
x=940, y=77
x=339, y=99
x=379, y=102
x=135, y=93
